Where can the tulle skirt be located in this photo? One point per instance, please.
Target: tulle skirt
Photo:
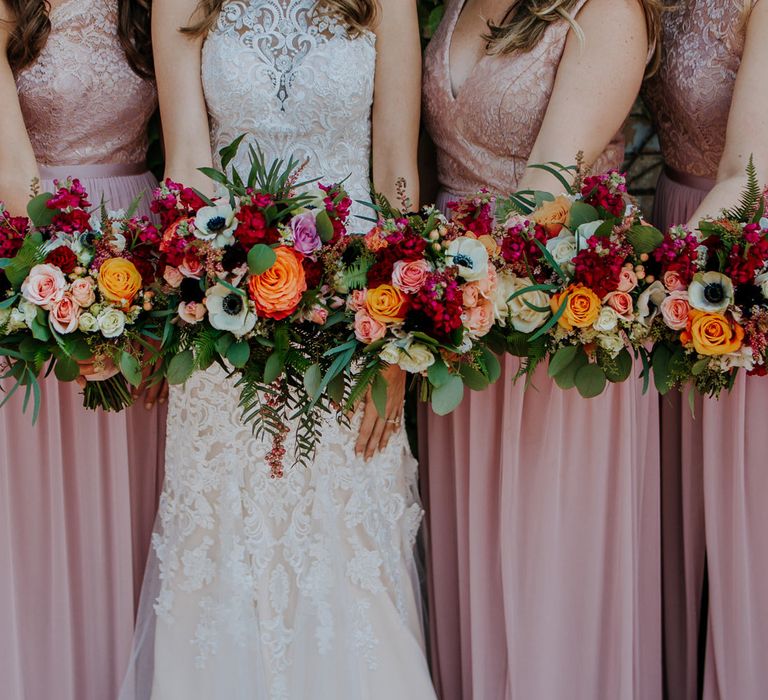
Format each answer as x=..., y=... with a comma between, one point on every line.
x=78, y=493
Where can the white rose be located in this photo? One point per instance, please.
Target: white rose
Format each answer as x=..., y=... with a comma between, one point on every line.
x=611, y=343
x=741, y=359
x=390, y=354
x=522, y=317
x=87, y=323
x=111, y=322
x=416, y=358
x=606, y=320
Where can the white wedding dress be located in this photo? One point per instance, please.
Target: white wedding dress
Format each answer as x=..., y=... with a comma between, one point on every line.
x=302, y=587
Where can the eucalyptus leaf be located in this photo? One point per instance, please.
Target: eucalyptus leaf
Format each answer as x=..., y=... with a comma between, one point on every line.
x=238, y=354
x=473, y=378
x=39, y=213
x=379, y=395
x=660, y=361
x=447, y=397
x=618, y=369
x=324, y=226
x=566, y=379
x=66, y=369
x=492, y=364
x=180, y=367
x=581, y=213
x=336, y=389
x=590, y=381
x=130, y=368
x=562, y=358
x=273, y=367
x=260, y=258
x=312, y=379
x=438, y=373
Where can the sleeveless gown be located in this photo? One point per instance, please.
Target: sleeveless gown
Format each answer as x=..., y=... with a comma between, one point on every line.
x=542, y=512
x=78, y=490
x=305, y=586
x=713, y=466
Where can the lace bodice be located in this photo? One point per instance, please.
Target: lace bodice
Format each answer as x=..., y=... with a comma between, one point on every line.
x=690, y=96
x=81, y=101
x=485, y=133
x=297, y=84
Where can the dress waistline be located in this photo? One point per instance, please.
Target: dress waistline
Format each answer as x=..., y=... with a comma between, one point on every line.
x=696, y=182
x=91, y=172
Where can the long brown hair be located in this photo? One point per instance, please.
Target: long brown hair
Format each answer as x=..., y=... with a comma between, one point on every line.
x=357, y=15
x=31, y=27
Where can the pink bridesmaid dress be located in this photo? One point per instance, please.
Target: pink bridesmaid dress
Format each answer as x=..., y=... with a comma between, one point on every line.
x=714, y=476
x=542, y=506
x=77, y=490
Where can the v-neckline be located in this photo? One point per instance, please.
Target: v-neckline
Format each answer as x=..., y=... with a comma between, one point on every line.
x=454, y=92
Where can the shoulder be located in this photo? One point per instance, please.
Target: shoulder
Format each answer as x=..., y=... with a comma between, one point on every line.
x=614, y=14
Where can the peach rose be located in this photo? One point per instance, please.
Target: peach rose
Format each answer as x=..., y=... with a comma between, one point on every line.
x=356, y=299
x=470, y=295
x=672, y=281
x=191, y=311
x=490, y=244
x=553, y=215
x=172, y=276
x=83, y=292
x=278, y=291
x=621, y=303
x=386, y=304
x=119, y=281
x=582, y=307
x=480, y=318
x=191, y=267
x=368, y=330
x=712, y=334
x=674, y=310
x=65, y=315
x=627, y=280
x=409, y=277
x=44, y=285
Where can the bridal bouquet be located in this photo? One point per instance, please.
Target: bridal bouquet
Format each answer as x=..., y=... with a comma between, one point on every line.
x=75, y=285
x=572, y=274
x=711, y=299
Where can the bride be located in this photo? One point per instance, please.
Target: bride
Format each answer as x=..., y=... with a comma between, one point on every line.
x=301, y=587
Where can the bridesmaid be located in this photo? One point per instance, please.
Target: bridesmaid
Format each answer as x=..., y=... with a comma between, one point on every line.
x=78, y=489
x=709, y=101
x=543, y=506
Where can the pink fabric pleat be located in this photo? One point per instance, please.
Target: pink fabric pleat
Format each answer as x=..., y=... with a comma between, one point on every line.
x=78, y=492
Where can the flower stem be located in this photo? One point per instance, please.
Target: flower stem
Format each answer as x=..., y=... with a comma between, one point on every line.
x=109, y=395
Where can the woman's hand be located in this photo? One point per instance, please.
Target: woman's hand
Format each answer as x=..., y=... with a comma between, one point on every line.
x=96, y=370
x=375, y=431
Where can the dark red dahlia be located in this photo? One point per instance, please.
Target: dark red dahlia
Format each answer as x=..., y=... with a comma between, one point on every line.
x=63, y=258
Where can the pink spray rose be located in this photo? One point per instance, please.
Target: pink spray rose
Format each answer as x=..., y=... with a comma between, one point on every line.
x=409, y=277
x=356, y=300
x=673, y=282
x=627, y=280
x=65, y=314
x=621, y=303
x=479, y=319
x=674, y=310
x=83, y=292
x=44, y=285
x=319, y=315
x=368, y=330
x=191, y=311
x=191, y=267
x=172, y=276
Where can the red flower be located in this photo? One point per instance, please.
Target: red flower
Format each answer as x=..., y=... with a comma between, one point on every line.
x=252, y=228
x=606, y=191
x=72, y=197
x=313, y=270
x=12, y=232
x=599, y=266
x=473, y=215
x=438, y=307
x=63, y=258
x=73, y=221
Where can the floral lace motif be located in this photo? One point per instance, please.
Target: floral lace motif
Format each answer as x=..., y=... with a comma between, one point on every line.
x=82, y=68
x=690, y=96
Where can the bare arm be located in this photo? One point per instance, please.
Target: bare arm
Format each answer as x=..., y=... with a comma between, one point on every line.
x=178, y=59
x=18, y=166
x=747, y=122
x=596, y=85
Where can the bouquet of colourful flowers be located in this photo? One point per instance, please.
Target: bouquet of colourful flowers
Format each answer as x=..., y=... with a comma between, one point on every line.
x=710, y=301
x=74, y=284
x=572, y=278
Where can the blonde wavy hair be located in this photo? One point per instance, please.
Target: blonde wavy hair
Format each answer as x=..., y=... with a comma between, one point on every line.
x=357, y=15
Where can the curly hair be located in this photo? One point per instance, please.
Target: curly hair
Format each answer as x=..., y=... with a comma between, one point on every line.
x=31, y=27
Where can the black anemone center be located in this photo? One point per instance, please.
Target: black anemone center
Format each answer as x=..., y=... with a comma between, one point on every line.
x=232, y=304
x=463, y=260
x=714, y=292
x=217, y=223
x=191, y=290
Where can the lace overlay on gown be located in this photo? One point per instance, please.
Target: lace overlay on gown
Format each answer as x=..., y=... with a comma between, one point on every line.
x=64, y=105
x=307, y=580
x=690, y=96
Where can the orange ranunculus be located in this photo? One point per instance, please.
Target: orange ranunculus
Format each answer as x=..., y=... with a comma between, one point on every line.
x=386, y=304
x=582, y=307
x=119, y=281
x=712, y=334
x=278, y=291
x=553, y=215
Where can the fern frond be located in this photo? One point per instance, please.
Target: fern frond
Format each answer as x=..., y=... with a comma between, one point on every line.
x=750, y=197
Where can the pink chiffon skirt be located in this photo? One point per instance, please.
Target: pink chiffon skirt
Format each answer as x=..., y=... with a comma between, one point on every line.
x=714, y=480
x=78, y=493
x=543, y=543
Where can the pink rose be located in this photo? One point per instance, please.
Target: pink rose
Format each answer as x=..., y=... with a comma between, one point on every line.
x=621, y=303
x=65, y=314
x=356, y=300
x=368, y=330
x=191, y=311
x=470, y=294
x=305, y=237
x=480, y=318
x=172, y=276
x=627, y=280
x=318, y=315
x=674, y=310
x=672, y=281
x=82, y=291
x=191, y=267
x=409, y=277
x=44, y=285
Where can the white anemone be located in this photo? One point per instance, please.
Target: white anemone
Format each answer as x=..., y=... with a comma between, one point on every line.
x=711, y=292
x=216, y=223
x=229, y=311
x=470, y=256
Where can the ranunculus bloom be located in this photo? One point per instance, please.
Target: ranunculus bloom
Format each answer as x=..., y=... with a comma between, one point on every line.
x=278, y=291
x=627, y=280
x=172, y=276
x=712, y=333
x=621, y=303
x=674, y=310
x=356, y=299
x=386, y=304
x=368, y=330
x=64, y=315
x=672, y=281
x=416, y=358
x=305, y=237
x=82, y=291
x=409, y=277
x=119, y=281
x=582, y=307
x=470, y=295
x=479, y=319
x=111, y=322
x=191, y=311
x=553, y=215
x=44, y=285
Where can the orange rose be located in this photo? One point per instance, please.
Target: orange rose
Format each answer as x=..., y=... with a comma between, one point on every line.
x=278, y=291
x=712, y=334
x=386, y=304
x=119, y=281
x=582, y=307
x=553, y=215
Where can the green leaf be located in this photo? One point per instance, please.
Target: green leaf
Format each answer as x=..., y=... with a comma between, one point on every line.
x=581, y=213
x=312, y=379
x=438, y=373
x=604, y=230
x=228, y=153
x=215, y=175
x=336, y=389
x=473, y=378
x=660, y=363
x=38, y=212
x=180, y=367
x=562, y=359
x=130, y=368
x=447, y=397
x=260, y=258
x=566, y=379
x=492, y=364
x=644, y=239
x=66, y=369
x=273, y=367
x=619, y=368
x=224, y=343
x=40, y=331
x=556, y=171
x=76, y=347
x=590, y=381
x=540, y=197
x=700, y=366
x=379, y=395
x=324, y=226
x=238, y=354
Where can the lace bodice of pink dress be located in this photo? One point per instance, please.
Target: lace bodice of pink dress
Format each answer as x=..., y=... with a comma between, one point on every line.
x=690, y=96
x=81, y=101
x=485, y=133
